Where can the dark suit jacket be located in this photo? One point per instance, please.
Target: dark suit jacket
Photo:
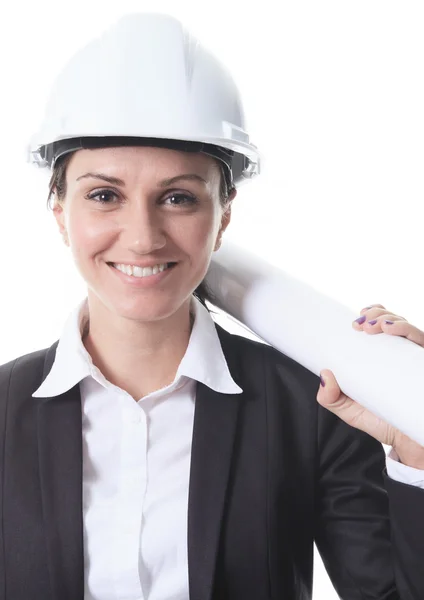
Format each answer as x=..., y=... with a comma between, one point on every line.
x=271, y=471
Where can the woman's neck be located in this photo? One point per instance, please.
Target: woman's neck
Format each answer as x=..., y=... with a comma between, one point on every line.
x=143, y=363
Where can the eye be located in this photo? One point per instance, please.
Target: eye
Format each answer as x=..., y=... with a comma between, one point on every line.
x=176, y=198
x=179, y=198
x=102, y=195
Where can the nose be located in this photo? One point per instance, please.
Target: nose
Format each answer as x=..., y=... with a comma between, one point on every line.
x=143, y=231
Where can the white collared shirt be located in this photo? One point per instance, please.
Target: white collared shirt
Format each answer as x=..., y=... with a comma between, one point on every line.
x=136, y=464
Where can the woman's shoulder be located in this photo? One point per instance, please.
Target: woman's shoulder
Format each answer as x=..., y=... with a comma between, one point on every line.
x=23, y=366
x=273, y=381
x=256, y=355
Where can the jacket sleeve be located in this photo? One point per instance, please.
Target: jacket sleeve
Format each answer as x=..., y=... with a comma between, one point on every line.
x=406, y=509
x=369, y=529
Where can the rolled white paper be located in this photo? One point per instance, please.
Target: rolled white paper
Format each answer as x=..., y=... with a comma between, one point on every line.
x=384, y=373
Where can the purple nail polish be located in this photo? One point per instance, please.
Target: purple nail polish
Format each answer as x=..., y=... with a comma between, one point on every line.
x=389, y=322
x=373, y=322
x=322, y=381
x=360, y=320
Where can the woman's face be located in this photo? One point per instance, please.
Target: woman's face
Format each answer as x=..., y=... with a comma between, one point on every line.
x=158, y=206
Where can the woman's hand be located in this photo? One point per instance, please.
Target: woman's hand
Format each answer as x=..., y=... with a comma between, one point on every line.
x=373, y=320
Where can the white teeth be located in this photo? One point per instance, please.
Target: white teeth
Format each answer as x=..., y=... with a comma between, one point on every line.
x=136, y=271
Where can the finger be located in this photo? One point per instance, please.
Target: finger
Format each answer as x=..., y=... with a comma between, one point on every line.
x=373, y=317
x=373, y=313
x=376, y=325
x=331, y=397
x=406, y=330
x=352, y=413
x=388, y=323
x=371, y=306
x=329, y=393
x=369, y=313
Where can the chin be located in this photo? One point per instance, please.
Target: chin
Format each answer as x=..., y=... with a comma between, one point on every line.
x=145, y=309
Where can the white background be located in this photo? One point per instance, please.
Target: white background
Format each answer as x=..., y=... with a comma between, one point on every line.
x=334, y=96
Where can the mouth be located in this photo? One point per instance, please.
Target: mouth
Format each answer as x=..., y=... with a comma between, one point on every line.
x=169, y=265
x=143, y=276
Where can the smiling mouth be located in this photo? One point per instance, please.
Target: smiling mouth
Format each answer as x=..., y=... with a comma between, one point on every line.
x=143, y=272
x=168, y=265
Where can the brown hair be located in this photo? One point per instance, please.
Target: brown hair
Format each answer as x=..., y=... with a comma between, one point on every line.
x=57, y=187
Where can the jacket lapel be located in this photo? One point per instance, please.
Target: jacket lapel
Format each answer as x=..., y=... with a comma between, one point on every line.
x=60, y=460
x=214, y=431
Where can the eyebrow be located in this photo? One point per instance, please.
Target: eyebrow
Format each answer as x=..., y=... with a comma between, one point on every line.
x=163, y=183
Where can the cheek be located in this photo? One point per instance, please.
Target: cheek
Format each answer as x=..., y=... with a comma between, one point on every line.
x=196, y=235
x=88, y=233
x=199, y=227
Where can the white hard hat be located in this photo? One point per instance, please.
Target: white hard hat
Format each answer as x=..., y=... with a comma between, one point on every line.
x=146, y=81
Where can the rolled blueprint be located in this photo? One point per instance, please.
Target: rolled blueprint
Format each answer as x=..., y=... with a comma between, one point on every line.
x=383, y=373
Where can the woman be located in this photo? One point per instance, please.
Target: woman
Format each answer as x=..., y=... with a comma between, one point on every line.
x=148, y=453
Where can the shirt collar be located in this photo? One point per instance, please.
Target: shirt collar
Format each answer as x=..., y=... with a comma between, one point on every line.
x=203, y=361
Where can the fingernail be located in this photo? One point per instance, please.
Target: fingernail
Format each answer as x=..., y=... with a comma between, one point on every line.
x=367, y=307
x=389, y=322
x=373, y=322
x=361, y=320
x=322, y=381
